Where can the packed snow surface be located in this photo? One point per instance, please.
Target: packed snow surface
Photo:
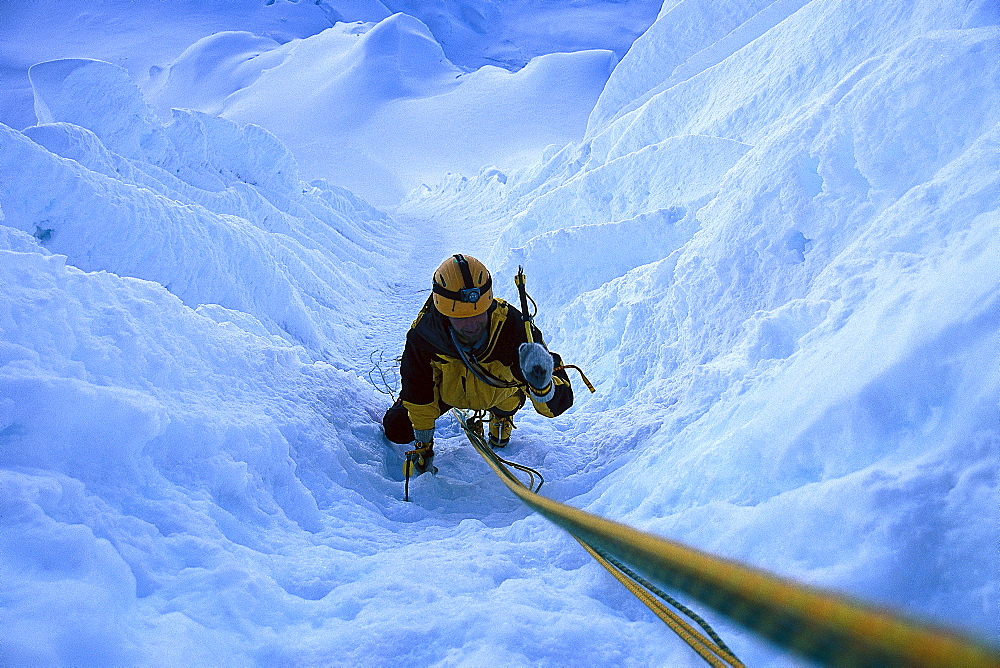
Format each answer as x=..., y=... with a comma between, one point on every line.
x=770, y=233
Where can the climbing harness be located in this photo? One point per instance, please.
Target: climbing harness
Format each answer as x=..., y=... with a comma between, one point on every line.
x=824, y=627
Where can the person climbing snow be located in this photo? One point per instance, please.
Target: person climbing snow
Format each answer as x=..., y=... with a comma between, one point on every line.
x=468, y=349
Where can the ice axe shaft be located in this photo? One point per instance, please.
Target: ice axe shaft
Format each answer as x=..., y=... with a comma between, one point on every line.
x=519, y=280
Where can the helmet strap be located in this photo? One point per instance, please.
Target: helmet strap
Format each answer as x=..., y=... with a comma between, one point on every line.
x=463, y=266
x=470, y=294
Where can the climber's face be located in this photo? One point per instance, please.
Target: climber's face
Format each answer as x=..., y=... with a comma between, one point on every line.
x=470, y=330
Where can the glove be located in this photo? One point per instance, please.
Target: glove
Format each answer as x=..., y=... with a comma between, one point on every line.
x=536, y=365
x=420, y=459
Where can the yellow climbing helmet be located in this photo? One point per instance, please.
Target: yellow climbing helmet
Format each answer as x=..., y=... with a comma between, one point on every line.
x=462, y=287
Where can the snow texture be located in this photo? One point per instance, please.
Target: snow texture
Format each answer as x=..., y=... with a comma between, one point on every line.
x=768, y=232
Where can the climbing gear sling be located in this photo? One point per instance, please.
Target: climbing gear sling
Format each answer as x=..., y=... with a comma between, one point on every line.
x=472, y=364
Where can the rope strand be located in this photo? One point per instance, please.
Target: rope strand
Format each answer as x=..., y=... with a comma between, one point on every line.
x=716, y=653
x=824, y=627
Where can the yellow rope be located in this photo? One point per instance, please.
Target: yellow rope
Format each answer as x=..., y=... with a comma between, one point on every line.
x=825, y=627
x=706, y=649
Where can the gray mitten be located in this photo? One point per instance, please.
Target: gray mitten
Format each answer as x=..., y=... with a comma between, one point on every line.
x=536, y=365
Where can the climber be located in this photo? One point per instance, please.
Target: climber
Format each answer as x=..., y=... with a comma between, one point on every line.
x=467, y=349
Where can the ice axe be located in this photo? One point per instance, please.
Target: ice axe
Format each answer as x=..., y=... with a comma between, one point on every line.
x=520, y=280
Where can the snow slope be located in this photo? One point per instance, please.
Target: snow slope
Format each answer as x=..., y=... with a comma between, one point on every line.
x=509, y=33
x=774, y=250
x=365, y=111
x=379, y=109
x=141, y=37
x=780, y=263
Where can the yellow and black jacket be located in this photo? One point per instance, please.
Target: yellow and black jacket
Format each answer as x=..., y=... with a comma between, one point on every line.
x=434, y=376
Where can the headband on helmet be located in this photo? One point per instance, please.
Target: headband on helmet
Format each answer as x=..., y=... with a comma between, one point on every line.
x=470, y=294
